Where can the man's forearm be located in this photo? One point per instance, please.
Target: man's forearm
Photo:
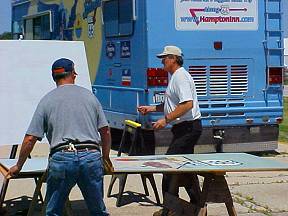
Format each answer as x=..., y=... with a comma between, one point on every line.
x=26, y=148
x=106, y=147
x=106, y=141
x=180, y=110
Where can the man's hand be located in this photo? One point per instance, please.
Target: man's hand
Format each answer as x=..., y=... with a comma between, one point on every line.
x=108, y=166
x=161, y=123
x=26, y=148
x=146, y=109
x=13, y=171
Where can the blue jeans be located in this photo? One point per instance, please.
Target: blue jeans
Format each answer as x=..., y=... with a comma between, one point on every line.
x=69, y=168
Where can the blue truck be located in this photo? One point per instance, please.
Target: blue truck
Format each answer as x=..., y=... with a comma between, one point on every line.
x=233, y=49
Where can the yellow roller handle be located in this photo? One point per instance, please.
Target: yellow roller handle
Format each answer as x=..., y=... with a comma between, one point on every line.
x=132, y=123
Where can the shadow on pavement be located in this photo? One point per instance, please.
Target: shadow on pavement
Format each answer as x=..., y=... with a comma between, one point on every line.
x=265, y=154
x=19, y=206
x=134, y=197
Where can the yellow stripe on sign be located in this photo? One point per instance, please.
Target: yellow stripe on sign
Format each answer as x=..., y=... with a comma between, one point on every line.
x=132, y=123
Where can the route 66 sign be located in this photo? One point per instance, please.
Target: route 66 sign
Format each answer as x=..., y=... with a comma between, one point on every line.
x=225, y=9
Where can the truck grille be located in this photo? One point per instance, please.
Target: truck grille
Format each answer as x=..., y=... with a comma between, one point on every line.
x=239, y=79
x=220, y=80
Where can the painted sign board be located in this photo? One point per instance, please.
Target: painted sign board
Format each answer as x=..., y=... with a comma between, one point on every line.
x=26, y=77
x=236, y=15
x=217, y=162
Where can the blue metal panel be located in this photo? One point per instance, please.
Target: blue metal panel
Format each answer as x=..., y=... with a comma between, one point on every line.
x=110, y=74
x=285, y=18
x=199, y=44
x=239, y=48
x=240, y=65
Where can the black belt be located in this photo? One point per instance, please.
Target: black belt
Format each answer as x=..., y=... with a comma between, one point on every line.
x=186, y=123
x=186, y=126
x=77, y=146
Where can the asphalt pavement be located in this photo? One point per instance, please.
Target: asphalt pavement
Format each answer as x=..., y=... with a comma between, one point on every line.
x=254, y=193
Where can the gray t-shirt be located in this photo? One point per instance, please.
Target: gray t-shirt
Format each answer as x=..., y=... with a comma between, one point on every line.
x=68, y=112
x=181, y=88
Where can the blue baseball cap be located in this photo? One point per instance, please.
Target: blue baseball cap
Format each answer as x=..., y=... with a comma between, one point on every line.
x=62, y=67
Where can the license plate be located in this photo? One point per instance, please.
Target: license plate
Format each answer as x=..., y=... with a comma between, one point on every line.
x=159, y=97
x=254, y=130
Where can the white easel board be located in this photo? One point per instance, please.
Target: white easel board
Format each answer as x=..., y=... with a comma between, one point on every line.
x=25, y=77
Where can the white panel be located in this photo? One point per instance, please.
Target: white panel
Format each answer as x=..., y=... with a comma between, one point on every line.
x=25, y=77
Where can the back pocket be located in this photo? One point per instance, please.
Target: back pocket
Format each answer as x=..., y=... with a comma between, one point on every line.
x=56, y=169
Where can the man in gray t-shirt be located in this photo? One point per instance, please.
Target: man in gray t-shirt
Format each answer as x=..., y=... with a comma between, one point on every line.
x=70, y=116
x=67, y=116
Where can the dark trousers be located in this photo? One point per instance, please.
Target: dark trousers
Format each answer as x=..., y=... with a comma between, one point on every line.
x=3, y=211
x=185, y=137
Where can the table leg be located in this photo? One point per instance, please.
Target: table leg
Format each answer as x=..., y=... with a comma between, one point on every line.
x=6, y=181
x=231, y=209
x=215, y=189
x=36, y=194
x=3, y=191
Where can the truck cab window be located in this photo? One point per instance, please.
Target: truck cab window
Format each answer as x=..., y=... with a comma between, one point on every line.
x=37, y=27
x=118, y=17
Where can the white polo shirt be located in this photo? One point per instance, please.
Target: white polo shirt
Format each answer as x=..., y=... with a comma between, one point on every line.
x=181, y=88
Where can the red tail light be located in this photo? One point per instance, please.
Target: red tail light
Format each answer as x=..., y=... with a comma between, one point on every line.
x=157, y=77
x=275, y=75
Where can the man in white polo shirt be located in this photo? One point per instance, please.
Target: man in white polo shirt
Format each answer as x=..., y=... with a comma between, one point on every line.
x=181, y=110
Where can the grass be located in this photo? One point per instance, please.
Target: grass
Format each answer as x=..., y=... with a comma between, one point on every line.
x=283, y=134
x=249, y=202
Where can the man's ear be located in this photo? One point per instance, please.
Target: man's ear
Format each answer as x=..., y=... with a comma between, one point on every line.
x=74, y=75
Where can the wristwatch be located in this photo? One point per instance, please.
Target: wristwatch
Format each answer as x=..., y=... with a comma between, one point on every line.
x=166, y=119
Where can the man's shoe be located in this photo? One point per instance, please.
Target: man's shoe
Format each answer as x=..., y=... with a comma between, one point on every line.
x=3, y=211
x=161, y=213
x=158, y=213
